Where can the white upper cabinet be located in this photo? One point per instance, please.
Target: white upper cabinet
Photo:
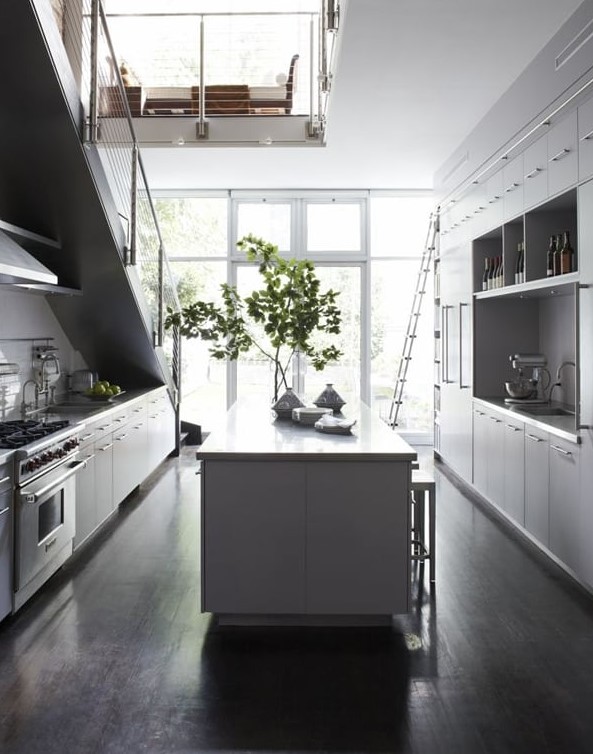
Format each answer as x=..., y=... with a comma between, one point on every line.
x=563, y=160
x=535, y=168
x=585, y=118
x=512, y=179
x=494, y=194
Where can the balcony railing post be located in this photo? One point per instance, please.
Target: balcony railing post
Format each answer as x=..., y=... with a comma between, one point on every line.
x=161, y=297
x=93, y=119
x=133, y=206
x=202, y=131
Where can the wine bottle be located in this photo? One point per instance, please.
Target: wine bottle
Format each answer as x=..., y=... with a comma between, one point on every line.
x=556, y=261
x=500, y=277
x=522, y=272
x=491, y=266
x=485, y=275
x=566, y=254
x=550, y=257
x=518, y=264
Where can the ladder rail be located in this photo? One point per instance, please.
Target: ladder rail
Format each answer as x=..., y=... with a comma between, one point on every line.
x=411, y=329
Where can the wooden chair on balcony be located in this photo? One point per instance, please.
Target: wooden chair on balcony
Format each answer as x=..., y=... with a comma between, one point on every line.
x=275, y=100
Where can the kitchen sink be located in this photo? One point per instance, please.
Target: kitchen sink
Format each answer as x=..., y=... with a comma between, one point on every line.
x=546, y=411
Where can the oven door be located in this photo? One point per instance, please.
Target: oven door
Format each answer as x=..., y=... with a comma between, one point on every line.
x=45, y=517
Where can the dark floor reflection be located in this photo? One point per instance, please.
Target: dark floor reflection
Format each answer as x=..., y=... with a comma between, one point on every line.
x=305, y=689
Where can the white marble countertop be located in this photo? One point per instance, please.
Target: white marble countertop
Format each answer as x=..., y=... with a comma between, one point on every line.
x=251, y=433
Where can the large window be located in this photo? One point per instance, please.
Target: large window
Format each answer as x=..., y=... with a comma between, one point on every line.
x=367, y=248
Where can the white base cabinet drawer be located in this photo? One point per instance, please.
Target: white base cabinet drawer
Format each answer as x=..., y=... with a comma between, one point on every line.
x=537, y=518
x=564, y=501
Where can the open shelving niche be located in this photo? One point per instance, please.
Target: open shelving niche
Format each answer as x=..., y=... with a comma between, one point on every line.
x=534, y=229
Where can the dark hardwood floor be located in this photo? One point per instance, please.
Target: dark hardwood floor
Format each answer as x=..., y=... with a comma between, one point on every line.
x=113, y=656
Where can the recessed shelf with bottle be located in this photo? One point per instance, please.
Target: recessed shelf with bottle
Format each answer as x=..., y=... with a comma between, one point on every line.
x=518, y=254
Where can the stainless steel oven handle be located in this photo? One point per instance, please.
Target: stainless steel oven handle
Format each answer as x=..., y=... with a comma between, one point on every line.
x=34, y=496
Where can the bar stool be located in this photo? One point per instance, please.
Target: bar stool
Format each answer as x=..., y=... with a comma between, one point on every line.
x=423, y=486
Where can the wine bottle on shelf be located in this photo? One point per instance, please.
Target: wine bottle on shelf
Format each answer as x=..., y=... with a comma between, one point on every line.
x=556, y=260
x=485, y=275
x=500, y=277
x=550, y=257
x=491, y=273
x=518, y=264
x=522, y=270
x=566, y=254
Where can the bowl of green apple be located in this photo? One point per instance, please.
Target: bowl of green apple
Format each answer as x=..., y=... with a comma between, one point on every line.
x=103, y=391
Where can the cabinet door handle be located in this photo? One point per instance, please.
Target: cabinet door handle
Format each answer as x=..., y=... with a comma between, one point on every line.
x=588, y=136
x=562, y=153
x=121, y=437
x=495, y=198
x=87, y=437
x=533, y=437
x=515, y=429
x=480, y=413
x=512, y=187
x=106, y=447
x=494, y=419
x=533, y=173
x=4, y=510
x=561, y=450
x=6, y=479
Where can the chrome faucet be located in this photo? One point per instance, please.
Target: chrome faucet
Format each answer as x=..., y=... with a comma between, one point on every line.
x=24, y=404
x=558, y=382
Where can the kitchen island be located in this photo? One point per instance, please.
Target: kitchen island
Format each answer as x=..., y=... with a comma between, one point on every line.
x=300, y=527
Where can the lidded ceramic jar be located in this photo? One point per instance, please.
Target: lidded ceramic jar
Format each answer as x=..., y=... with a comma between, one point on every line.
x=330, y=398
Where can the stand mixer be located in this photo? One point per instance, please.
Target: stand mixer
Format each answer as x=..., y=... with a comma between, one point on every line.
x=527, y=389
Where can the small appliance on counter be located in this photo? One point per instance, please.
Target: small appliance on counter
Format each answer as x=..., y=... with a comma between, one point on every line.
x=81, y=380
x=527, y=389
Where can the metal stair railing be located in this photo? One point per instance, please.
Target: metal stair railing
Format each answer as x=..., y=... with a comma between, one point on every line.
x=411, y=330
x=109, y=128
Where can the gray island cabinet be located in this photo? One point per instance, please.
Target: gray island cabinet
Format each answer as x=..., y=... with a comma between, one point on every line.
x=302, y=527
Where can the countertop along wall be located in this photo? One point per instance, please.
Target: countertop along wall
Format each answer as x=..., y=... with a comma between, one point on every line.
x=25, y=315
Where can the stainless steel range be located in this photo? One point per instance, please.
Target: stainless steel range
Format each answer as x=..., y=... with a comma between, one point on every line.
x=45, y=499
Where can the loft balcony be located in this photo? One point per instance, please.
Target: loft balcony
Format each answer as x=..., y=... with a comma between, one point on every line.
x=206, y=77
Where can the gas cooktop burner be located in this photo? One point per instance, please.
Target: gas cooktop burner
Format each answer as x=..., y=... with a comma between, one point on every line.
x=15, y=434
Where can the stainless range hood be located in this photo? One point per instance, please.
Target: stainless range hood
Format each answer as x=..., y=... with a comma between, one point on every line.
x=18, y=266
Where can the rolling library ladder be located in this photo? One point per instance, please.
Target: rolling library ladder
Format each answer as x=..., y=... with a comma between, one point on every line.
x=410, y=337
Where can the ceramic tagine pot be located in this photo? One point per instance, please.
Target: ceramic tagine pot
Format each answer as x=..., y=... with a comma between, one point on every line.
x=329, y=398
x=284, y=405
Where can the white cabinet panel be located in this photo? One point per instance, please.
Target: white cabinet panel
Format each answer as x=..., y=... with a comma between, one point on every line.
x=512, y=178
x=86, y=503
x=104, y=475
x=494, y=201
x=535, y=167
x=564, y=501
x=6, y=548
x=563, y=162
x=514, y=471
x=537, y=520
x=254, y=544
x=354, y=566
x=496, y=460
x=480, y=477
x=585, y=118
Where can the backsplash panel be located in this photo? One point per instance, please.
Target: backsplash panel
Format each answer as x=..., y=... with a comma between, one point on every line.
x=27, y=320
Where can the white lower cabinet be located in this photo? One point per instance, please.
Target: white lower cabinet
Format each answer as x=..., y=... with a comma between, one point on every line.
x=86, y=504
x=129, y=457
x=514, y=471
x=480, y=474
x=6, y=548
x=537, y=519
x=104, y=478
x=564, y=501
x=496, y=459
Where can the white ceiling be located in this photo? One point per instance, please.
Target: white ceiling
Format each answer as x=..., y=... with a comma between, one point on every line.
x=413, y=78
